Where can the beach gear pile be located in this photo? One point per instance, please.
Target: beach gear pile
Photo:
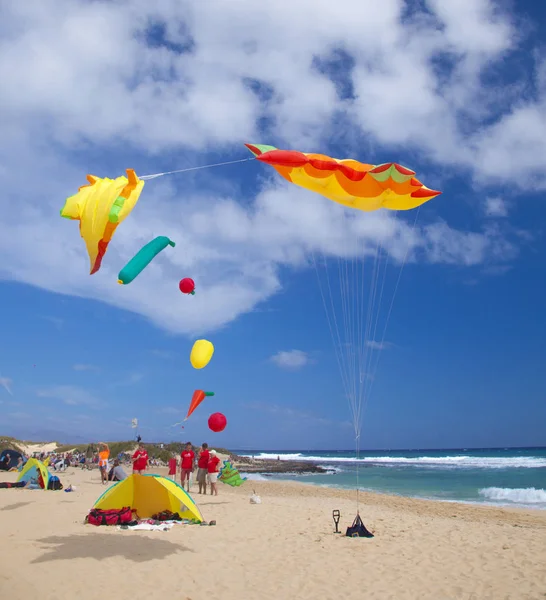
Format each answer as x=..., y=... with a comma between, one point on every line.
x=127, y=518
x=358, y=529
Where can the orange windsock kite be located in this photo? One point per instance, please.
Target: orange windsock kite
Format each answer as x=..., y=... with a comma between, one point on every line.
x=198, y=397
x=346, y=181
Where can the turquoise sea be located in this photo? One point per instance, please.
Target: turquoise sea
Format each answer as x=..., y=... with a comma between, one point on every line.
x=507, y=476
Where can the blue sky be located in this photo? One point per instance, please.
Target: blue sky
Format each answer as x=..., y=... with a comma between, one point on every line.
x=457, y=95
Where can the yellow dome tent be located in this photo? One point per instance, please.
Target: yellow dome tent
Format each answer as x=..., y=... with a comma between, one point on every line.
x=149, y=495
x=30, y=471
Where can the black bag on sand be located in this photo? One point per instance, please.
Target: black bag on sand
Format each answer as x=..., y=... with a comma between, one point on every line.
x=54, y=483
x=167, y=515
x=358, y=529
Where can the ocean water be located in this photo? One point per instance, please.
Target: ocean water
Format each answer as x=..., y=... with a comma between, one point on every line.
x=500, y=477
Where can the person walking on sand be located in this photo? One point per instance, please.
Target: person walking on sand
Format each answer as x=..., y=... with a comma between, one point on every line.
x=104, y=455
x=140, y=460
x=212, y=469
x=202, y=465
x=172, y=467
x=187, y=464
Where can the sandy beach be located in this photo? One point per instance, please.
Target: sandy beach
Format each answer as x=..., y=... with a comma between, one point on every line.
x=281, y=549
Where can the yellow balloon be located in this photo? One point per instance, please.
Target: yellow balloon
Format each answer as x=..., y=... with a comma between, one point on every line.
x=201, y=353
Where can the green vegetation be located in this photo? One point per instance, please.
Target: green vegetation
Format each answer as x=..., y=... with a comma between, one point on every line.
x=154, y=450
x=9, y=443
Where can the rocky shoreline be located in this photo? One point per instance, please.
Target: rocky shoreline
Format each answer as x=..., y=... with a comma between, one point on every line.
x=268, y=466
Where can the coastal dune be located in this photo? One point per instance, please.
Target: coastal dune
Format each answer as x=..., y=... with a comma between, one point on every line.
x=281, y=549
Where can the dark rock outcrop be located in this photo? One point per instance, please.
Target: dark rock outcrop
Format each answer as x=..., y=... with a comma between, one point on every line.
x=264, y=466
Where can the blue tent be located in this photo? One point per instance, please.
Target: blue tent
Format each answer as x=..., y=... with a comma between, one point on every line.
x=13, y=458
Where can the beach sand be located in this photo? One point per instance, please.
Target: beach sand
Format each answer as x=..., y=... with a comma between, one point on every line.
x=282, y=549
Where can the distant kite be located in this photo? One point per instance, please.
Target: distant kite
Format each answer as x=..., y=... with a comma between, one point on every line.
x=197, y=398
x=201, y=353
x=100, y=207
x=348, y=182
x=217, y=422
x=230, y=475
x=187, y=286
x=143, y=258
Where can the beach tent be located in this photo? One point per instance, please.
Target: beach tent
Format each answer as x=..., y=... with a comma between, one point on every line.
x=149, y=495
x=30, y=471
x=13, y=458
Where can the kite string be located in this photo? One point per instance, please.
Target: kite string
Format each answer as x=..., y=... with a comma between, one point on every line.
x=229, y=162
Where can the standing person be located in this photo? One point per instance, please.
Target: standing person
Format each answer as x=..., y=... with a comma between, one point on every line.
x=202, y=464
x=104, y=455
x=187, y=464
x=140, y=460
x=172, y=467
x=212, y=469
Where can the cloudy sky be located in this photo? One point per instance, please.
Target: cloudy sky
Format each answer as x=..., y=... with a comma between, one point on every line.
x=453, y=90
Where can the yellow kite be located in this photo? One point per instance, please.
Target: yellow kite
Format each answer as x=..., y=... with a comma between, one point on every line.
x=100, y=207
x=347, y=181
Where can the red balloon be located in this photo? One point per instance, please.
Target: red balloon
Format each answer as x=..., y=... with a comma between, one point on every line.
x=217, y=422
x=187, y=286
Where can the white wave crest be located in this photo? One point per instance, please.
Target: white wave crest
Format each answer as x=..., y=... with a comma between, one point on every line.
x=253, y=476
x=456, y=461
x=515, y=495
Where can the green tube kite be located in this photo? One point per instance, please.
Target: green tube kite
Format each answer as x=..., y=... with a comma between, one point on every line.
x=230, y=475
x=143, y=258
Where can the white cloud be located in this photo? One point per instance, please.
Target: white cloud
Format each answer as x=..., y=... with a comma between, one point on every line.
x=374, y=345
x=291, y=359
x=170, y=410
x=294, y=415
x=84, y=367
x=118, y=102
x=162, y=354
x=495, y=207
x=70, y=395
x=55, y=320
x=19, y=415
x=133, y=378
x=6, y=383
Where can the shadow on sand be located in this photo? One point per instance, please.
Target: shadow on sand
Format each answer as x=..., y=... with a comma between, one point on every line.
x=103, y=546
x=16, y=505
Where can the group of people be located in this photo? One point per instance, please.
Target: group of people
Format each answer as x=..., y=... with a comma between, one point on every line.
x=206, y=462
x=6, y=463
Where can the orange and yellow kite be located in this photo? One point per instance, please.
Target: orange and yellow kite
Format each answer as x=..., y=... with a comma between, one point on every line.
x=347, y=181
x=100, y=207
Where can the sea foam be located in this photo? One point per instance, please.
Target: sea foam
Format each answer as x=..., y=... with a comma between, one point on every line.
x=515, y=495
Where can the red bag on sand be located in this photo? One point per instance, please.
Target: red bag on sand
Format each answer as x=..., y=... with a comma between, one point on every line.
x=98, y=516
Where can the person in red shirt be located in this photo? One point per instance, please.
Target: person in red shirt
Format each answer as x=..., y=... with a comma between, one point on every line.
x=202, y=465
x=40, y=479
x=172, y=467
x=140, y=460
x=187, y=465
x=212, y=469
